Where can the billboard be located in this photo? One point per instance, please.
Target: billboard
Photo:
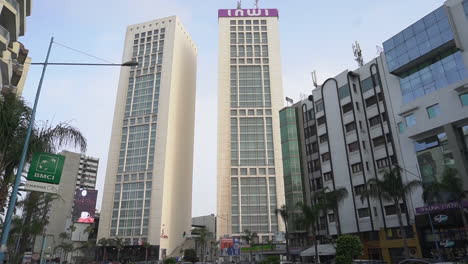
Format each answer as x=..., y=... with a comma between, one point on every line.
x=84, y=206
x=230, y=247
x=248, y=13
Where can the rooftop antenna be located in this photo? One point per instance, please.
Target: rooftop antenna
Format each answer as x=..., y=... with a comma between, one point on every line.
x=239, y=4
x=256, y=3
x=379, y=50
x=358, y=54
x=314, y=78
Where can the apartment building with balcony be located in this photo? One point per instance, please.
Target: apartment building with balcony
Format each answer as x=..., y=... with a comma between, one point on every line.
x=14, y=62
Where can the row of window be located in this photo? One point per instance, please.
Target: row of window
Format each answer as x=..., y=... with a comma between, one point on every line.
x=250, y=61
x=248, y=28
x=248, y=22
x=150, y=33
x=249, y=38
x=249, y=51
x=252, y=171
x=251, y=112
x=432, y=111
x=149, y=39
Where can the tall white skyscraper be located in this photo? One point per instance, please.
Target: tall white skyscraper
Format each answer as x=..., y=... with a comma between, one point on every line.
x=250, y=94
x=148, y=186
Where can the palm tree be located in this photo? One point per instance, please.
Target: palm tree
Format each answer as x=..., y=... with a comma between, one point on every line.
x=146, y=245
x=201, y=239
x=15, y=116
x=448, y=189
x=249, y=238
x=104, y=242
x=392, y=189
x=283, y=212
x=308, y=219
x=330, y=200
x=119, y=244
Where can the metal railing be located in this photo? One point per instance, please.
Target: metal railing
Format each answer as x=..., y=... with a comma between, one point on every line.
x=5, y=33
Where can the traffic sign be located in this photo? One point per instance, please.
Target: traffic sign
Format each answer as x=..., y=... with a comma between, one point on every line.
x=41, y=187
x=46, y=168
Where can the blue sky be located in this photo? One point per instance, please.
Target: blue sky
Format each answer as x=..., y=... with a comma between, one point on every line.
x=315, y=35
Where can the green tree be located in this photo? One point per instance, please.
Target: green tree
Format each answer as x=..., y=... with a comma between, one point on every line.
x=15, y=117
x=104, y=242
x=119, y=244
x=170, y=261
x=308, y=219
x=271, y=260
x=190, y=255
x=448, y=189
x=330, y=199
x=201, y=239
x=146, y=246
x=249, y=238
x=284, y=213
x=348, y=248
x=392, y=189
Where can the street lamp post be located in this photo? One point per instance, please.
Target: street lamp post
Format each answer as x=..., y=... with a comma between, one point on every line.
x=14, y=193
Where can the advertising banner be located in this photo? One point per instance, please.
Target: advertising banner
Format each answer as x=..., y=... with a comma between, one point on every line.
x=248, y=13
x=84, y=206
x=441, y=207
x=230, y=247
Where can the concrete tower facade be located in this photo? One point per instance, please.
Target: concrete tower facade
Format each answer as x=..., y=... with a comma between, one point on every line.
x=148, y=186
x=250, y=95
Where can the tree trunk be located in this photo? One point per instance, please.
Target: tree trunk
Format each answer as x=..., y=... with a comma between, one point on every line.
x=314, y=233
x=4, y=189
x=337, y=221
x=118, y=254
x=146, y=254
x=403, y=231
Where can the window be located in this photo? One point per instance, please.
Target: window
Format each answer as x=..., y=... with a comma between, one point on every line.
x=367, y=165
x=373, y=121
x=319, y=107
x=323, y=138
x=343, y=92
x=350, y=127
x=433, y=111
x=410, y=120
x=382, y=163
x=331, y=218
x=353, y=146
x=326, y=156
x=316, y=164
x=363, y=212
x=328, y=176
x=357, y=106
x=354, y=88
x=392, y=210
x=315, y=147
x=347, y=108
x=379, y=141
x=321, y=120
x=371, y=101
x=367, y=84
x=359, y=189
x=401, y=127
x=323, y=222
x=356, y=167
x=464, y=99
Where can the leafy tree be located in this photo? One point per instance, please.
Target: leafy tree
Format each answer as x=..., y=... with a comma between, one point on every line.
x=271, y=260
x=448, y=189
x=104, y=242
x=249, y=238
x=202, y=238
x=170, y=261
x=392, y=189
x=190, y=255
x=119, y=244
x=146, y=246
x=309, y=218
x=348, y=248
x=283, y=212
x=330, y=200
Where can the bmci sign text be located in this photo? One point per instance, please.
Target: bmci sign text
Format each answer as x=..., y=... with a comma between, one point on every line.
x=248, y=13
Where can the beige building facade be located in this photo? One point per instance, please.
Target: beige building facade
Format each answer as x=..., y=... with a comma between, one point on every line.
x=148, y=185
x=14, y=62
x=250, y=94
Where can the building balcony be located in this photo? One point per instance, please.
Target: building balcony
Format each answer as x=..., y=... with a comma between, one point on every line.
x=4, y=38
x=6, y=88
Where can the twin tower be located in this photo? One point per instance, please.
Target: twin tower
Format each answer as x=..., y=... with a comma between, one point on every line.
x=148, y=185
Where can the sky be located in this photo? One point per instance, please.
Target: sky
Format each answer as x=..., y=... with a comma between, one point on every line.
x=315, y=35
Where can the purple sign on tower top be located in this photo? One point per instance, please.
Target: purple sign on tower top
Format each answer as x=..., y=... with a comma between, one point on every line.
x=248, y=13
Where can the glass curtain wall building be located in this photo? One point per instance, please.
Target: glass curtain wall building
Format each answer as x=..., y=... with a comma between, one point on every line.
x=152, y=138
x=250, y=182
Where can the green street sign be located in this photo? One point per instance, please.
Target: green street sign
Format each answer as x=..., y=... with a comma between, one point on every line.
x=46, y=168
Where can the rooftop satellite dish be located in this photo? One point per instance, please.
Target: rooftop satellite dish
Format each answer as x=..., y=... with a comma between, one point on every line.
x=314, y=78
x=358, y=54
